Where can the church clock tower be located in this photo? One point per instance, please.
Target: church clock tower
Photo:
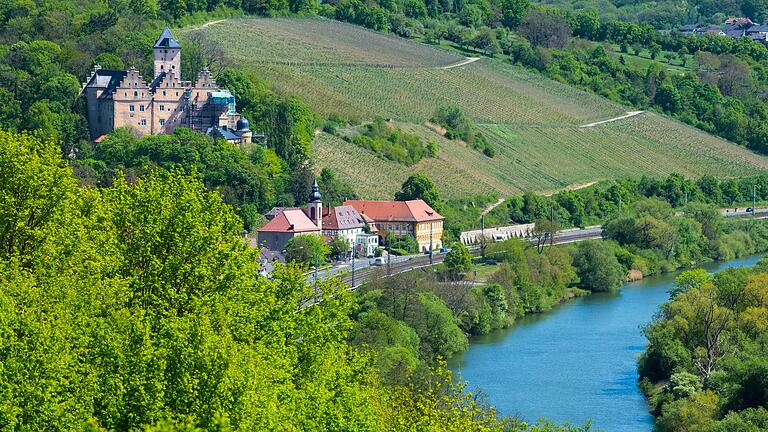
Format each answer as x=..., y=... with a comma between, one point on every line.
x=316, y=206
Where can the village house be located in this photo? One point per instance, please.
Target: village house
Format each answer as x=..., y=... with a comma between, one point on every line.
x=403, y=218
x=125, y=99
x=344, y=221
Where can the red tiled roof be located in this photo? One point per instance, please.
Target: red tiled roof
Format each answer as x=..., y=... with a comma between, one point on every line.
x=293, y=220
x=342, y=217
x=399, y=211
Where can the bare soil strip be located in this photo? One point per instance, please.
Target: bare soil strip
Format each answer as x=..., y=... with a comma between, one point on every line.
x=466, y=61
x=627, y=115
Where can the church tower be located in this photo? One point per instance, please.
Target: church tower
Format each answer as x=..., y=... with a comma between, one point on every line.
x=167, y=52
x=316, y=206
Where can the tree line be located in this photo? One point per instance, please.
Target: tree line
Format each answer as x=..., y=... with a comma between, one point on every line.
x=704, y=367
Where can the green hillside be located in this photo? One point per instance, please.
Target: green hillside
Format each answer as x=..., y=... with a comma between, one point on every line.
x=533, y=122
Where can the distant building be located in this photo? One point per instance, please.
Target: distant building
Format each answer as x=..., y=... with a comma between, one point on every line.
x=159, y=106
x=741, y=22
x=365, y=245
x=710, y=30
x=286, y=224
x=343, y=221
x=758, y=32
x=403, y=218
x=688, y=29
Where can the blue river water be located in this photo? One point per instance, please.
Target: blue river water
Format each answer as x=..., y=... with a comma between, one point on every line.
x=576, y=363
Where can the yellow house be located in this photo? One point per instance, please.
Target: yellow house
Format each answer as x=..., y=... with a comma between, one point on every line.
x=402, y=218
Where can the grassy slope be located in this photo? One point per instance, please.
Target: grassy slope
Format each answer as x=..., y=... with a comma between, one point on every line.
x=533, y=122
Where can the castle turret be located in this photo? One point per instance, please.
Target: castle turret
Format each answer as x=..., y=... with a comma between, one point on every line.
x=167, y=53
x=316, y=206
x=244, y=130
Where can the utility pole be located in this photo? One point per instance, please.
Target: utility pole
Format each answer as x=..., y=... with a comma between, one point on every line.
x=389, y=254
x=354, y=252
x=754, y=196
x=430, y=242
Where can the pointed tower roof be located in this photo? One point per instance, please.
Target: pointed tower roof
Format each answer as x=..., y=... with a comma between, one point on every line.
x=315, y=195
x=166, y=40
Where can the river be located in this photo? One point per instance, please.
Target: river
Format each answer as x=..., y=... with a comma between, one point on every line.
x=577, y=362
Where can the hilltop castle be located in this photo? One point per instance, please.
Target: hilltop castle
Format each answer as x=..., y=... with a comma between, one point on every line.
x=123, y=99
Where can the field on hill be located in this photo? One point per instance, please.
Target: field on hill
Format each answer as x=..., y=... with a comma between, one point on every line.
x=533, y=122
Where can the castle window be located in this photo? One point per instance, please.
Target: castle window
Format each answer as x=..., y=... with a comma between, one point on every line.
x=131, y=108
x=181, y=108
x=177, y=93
x=141, y=108
x=163, y=92
x=135, y=94
x=162, y=107
x=143, y=122
x=126, y=94
x=162, y=122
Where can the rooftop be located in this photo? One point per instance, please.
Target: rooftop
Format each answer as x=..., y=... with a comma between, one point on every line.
x=167, y=40
x=290, y=221
x=342, y=217
x=107, y=80
x=395, y=211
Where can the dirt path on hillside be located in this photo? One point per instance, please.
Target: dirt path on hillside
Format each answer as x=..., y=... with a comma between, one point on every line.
x=492, y=206
x=627, y=115
x=210, y=23
x=466, y=61
x=572, y=187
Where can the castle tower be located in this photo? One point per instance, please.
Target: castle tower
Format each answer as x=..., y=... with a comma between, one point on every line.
x=316, y=206
x=244, y=130
x=167, y=52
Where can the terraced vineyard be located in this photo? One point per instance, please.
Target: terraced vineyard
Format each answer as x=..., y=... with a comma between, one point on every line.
x=541, y=158
x=314, y=41
x=531, y=121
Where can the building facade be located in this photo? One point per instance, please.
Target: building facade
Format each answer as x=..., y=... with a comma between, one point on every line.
x=403, y=218
x=158, y=106
x=344, y=222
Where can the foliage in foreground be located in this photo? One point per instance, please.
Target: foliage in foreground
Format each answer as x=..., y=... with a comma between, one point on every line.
x=138, y=307
x=708, y=346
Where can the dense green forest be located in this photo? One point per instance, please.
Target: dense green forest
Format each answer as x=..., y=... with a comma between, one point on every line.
x=137, y=307
x=667, y=14
x=599, y=203
x=705, y=367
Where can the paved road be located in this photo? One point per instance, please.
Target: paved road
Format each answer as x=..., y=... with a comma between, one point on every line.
x=760, y=213
x=399, y=264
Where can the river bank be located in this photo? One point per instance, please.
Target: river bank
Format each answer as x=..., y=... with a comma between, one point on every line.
x=577, y=362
